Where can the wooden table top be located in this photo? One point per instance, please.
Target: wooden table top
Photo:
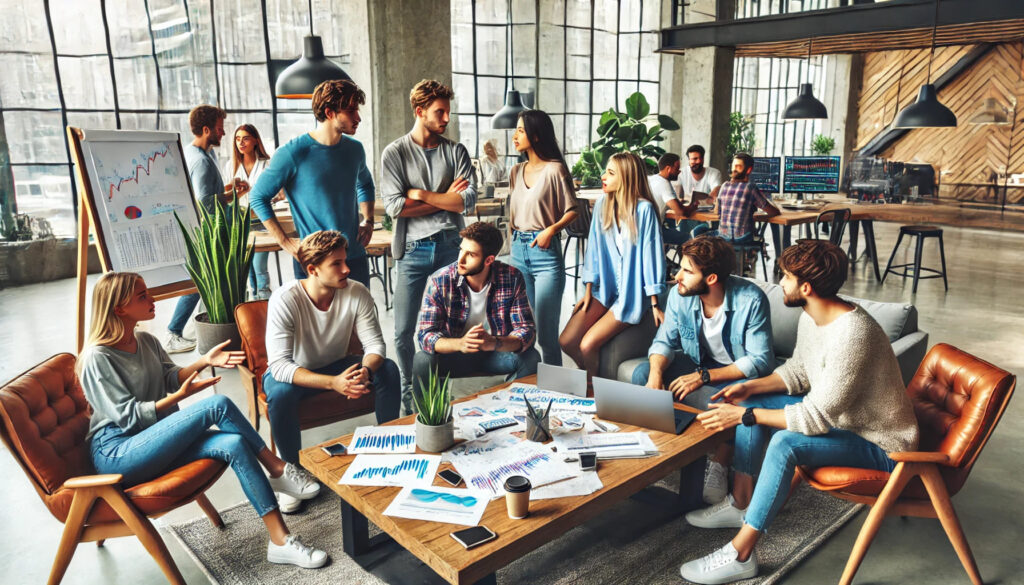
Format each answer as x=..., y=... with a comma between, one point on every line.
x=380, y=242
x=548, y=519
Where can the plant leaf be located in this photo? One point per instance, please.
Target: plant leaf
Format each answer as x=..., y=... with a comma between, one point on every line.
x=637, y=106
x=667, y=122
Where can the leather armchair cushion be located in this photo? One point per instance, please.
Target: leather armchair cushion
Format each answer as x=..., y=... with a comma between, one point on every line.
x=861, y=482
x=251, y=318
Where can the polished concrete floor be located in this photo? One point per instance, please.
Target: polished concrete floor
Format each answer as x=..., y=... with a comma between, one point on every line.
x=983, y=313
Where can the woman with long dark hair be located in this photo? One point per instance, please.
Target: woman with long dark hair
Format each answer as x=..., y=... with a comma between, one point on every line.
x=624, y=268
x=248, y=159
x=542, y=202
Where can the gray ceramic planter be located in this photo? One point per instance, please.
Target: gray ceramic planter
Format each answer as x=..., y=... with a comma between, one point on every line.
x=209, y=334
x=435, y=439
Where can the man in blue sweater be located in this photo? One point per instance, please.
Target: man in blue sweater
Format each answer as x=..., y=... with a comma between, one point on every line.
x=325, y=179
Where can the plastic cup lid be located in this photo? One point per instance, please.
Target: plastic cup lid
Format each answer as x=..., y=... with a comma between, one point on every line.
x=517, y=484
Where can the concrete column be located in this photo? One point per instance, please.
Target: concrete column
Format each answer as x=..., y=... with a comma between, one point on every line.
x=409, y=40
x=671, y=83
x=706, y=88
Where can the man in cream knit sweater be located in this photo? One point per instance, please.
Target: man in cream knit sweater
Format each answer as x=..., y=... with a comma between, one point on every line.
x=839, y=401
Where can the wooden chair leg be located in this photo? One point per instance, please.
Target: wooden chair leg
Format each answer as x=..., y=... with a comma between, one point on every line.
x=73, y=527
x=897, y=481
x=950, y=523
x=144, y=531
x=100, y=542
x=210, y=511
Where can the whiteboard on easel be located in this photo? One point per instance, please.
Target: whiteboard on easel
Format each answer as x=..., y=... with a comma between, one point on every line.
x=136, y=182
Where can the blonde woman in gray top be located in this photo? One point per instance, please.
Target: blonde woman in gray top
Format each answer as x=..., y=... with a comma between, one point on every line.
x=542, y=203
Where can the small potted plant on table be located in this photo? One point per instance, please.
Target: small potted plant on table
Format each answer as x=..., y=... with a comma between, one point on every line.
x=435, y=427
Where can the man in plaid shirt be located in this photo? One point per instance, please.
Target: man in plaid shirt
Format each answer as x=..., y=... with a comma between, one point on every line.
x=475, y=318
x=737, y=200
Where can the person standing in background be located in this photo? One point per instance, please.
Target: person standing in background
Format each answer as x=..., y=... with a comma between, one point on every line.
x=248, y=159
x=491, y=167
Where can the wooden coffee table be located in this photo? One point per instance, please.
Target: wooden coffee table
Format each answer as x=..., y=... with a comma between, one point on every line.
x=548, y=519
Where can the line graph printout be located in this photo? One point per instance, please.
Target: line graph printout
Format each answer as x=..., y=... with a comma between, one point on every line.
x=138, y=181
x=438, y=504
x=516, y=393
x=400, y=470
x=389, y=439
x=488, y=471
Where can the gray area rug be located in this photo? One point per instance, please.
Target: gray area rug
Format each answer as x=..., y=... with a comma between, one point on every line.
x=634, y=542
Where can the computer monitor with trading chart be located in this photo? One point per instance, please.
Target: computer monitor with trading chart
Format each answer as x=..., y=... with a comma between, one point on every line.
x=811, y=174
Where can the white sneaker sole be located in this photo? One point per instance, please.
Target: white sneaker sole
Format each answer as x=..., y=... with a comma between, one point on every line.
x=701, y=522
x=179, y=349
x=697, y=577
x=285, y=560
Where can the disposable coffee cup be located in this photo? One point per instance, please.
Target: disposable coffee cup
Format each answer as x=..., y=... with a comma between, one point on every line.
x=517, y=497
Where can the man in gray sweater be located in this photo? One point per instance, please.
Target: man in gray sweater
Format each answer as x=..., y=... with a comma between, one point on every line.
x=839, y=401
x=427, y=184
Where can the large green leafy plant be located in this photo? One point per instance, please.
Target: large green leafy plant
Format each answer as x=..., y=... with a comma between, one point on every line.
x=741, y=134
x=636, y=130
x=218, y=257
x=434, y=401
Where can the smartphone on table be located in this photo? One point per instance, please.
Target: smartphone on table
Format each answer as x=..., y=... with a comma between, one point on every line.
x=450, y=476
x=335, y=449
x=471, y=537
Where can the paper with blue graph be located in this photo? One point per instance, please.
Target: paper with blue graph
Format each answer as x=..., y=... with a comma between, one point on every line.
x=400, y=470
x=518, y=393
x=488, y=471
x=438, y=504
x=389, y=439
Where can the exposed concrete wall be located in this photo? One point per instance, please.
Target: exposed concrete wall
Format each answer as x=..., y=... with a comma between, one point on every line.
x=409, y=40
x=41, y=261
x=357, y=62
x=707, y=89
x=670, y=102
x=836, y=95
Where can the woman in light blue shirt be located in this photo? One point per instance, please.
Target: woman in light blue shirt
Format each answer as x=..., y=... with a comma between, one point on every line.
x=624, y=267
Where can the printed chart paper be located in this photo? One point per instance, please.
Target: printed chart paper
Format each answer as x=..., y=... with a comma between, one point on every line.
x=400, y=470
x=608, y=445
x=438, y=504
x=488, y=471
x=389, y=439
x=516, y=393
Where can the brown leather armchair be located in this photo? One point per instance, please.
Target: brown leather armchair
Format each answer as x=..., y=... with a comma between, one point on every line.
x=958, y=400
x=321, y=409
x=45, y=418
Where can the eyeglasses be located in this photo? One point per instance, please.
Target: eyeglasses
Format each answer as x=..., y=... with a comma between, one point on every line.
x=429, y=496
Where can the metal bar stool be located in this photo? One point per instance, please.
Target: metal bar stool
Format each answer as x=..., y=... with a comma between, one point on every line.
x=921, y=232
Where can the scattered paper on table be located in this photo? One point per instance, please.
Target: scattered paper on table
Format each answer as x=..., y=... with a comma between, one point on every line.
x=438, y=504
x=517, y=393
x=584, y=485
x=400, y=470
x=389, y=439
x=488, y=470
x=608, y=445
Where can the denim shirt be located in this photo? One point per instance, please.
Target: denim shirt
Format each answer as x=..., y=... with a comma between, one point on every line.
x=747, y=334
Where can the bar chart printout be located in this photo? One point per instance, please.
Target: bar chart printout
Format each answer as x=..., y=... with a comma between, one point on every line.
x=389, y=439
x=488, y=471
x=400, y=470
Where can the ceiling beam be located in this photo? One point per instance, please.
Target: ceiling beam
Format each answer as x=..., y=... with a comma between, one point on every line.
x=883, y=18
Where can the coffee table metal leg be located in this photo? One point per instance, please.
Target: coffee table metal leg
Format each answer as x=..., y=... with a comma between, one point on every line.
x=355, y=530
x=491, y=579
x=691, y=486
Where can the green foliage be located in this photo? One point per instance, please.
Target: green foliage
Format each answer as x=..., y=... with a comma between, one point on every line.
x=822, y=145
x=624, y=132
x=741, y=134
x=218, y=258
x=434, y=400
x=387, y=223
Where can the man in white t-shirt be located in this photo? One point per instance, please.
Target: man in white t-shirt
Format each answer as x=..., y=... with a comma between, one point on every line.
x=475, y=318
x=310, y=323
x=699, y=178
x=664, y=189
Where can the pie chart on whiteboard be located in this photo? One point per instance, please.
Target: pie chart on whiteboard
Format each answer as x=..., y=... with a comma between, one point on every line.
x=132, y=212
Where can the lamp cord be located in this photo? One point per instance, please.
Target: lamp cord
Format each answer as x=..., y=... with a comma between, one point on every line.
x=931, y=56
x=310, y=17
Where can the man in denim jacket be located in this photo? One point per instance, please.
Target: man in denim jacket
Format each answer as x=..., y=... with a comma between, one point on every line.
x=717, y=330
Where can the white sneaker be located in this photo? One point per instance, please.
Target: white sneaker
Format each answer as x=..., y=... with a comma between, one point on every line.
x=296, y=482
x=287, y=504
x=716, y=484
x=724, y=514
x=293, y=552
x=178, y=344
x=720, y=567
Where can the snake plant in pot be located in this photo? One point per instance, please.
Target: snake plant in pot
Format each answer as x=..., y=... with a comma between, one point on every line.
x=218, y=258
x=435, y=427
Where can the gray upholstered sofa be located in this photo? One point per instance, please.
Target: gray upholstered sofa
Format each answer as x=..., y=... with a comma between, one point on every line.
x=620, y=356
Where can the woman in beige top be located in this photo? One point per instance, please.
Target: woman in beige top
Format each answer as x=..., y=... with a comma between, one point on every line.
x=542, y=203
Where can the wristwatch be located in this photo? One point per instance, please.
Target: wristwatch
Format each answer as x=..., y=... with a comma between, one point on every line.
x=748, y=417
x=705, y=375
x=369, y=373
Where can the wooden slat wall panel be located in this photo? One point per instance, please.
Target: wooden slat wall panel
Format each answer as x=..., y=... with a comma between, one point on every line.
x=966, y=156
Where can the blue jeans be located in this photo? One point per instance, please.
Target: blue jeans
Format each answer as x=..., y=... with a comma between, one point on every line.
x=680, y=366
x=544, y=273
x=359, y=270
x=784, y=450
x=513, y=365
x=422, y=258
x=182, y=311
x=259, y=275
x=185, y=436
x=283, y=402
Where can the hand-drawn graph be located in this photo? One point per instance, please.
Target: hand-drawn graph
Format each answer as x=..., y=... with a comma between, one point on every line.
x=391, y=470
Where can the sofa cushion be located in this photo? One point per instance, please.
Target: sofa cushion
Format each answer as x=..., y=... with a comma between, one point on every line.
x=784, y=319
x=895, y=318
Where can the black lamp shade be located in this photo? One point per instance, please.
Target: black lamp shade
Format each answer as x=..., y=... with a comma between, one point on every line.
x=508, y=115
x=301, y=77
x=805, y=106
x=926, y=112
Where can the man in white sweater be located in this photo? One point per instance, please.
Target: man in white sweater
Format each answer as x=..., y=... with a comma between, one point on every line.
x=310, y=323
x=839, y=401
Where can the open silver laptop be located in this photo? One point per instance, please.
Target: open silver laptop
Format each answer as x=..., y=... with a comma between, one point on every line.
x=640, y=406
x=559, y=379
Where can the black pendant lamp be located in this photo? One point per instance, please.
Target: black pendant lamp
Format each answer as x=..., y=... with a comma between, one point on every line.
x=300, y=78
x=508, y=115
x=805, y=106
x=927, y=111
